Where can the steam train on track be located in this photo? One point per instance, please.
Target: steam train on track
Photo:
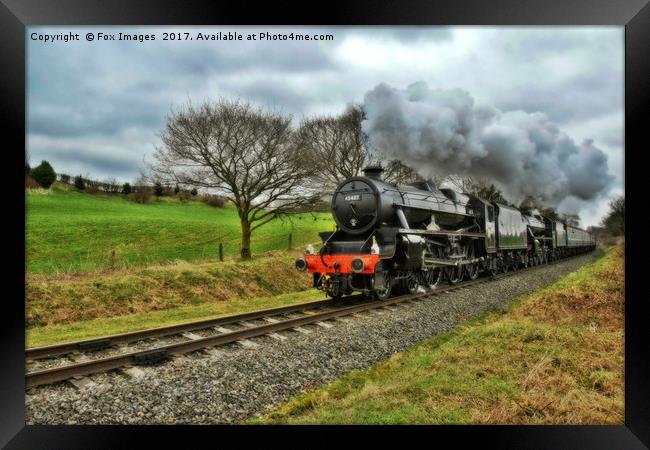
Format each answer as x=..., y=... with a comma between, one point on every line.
x=397, y=238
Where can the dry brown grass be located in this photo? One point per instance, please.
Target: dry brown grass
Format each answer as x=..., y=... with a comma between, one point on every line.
x=556, y=357
x=65, y=299
x=582, y=379
x=595, y=299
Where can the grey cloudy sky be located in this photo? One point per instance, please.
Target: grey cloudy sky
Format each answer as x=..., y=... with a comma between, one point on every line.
x=97, y=107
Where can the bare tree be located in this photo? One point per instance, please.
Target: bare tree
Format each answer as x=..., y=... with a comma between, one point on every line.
x=250, y=156
x=570, y=219
x=487, y=191
x=111, y=185
x=338, y=151
x=530, y=204
x=550, y=213
x=396, y=171
x=461, y=183
x=335, y=145
x=614, y=220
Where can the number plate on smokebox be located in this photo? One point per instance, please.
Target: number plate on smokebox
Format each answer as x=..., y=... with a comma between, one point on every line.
x=352, y=198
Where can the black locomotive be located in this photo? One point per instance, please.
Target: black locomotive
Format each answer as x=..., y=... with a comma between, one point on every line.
x=402, y=237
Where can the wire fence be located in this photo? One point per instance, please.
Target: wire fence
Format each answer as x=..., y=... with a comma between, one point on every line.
x=216, y=249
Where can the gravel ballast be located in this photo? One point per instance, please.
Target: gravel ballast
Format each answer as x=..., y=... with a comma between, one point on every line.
x=234, y=383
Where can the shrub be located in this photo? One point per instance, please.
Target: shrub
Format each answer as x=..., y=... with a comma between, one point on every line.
x=126, y=189
x=158, y=189
x=31, y=183
x=194, y=191
x=213, y=200
x=92, y=185
x=65, y=178
x=142, y=196
x=184, y=196
x=44, y=174
x=79, y=182
x=110, y=185
x=176, y=190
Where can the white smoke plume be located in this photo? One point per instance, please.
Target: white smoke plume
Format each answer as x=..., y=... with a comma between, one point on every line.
x=443, y=132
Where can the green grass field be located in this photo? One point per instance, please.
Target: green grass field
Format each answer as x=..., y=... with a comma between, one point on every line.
x=71, y=232
x=554, y=357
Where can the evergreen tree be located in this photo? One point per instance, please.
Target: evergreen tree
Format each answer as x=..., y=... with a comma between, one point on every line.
x=44, y=174
x=158, y=189
x=79, y=183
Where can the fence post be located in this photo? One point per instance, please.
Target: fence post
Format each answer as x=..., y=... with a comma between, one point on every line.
x=220, y=251
x=289, y=241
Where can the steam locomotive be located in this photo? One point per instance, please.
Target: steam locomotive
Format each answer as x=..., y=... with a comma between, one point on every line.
x=398, y=238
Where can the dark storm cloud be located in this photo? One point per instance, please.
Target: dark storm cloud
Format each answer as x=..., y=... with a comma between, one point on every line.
x=80, y=119
x=401, y=34
x=86, y=91
x=103, y=161
x=572, y=73
x=224, y=59
x=276, y=95
x=583, y=96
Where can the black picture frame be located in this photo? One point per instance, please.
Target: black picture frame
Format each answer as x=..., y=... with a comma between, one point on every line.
x=15, y=15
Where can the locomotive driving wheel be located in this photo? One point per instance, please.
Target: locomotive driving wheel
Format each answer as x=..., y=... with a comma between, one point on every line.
x=433, y=278
x=410, y=284
x=454, y=274
x=514, y=261
x=472, y=268
x=383, y=294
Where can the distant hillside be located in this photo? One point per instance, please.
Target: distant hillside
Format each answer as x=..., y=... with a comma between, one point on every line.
x=73, y=232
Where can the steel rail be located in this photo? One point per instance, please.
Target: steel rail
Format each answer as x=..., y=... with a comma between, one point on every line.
x=107, y=341
x=142, y=357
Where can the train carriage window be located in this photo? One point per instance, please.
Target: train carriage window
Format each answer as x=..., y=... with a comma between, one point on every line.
x=490, y=210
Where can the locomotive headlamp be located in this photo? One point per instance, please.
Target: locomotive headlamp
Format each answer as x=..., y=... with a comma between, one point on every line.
x=374, y=249
x=301, y=264
x=357, y=265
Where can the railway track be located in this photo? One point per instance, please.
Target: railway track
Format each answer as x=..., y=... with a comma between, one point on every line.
x=275, y=320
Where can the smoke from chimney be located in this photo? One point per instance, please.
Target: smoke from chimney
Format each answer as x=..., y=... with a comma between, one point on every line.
x=443, y=132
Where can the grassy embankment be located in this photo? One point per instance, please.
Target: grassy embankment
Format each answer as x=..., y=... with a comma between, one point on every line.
x=555, y=356
x=165, y=269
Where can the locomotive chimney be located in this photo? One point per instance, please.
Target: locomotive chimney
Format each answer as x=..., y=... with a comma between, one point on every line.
x=374, y=171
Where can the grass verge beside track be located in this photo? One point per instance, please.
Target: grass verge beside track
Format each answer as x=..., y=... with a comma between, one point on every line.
x=555, y=356
x=64, y=300
x=87, y=329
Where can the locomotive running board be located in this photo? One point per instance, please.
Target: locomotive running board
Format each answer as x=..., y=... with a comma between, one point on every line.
x=439, y=232
x=447, y=262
